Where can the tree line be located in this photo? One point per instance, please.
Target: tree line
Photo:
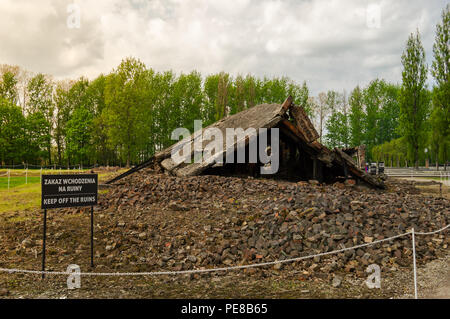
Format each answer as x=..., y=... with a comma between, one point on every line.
x=401, y=124
x=120, y=118
x=124, y=117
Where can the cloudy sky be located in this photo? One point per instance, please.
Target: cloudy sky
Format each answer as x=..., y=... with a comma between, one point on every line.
x=330, y=44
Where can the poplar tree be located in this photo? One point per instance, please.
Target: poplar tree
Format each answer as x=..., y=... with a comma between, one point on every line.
x=440, y=119
x=414, y=97
x=40, y=105
x=356, y=116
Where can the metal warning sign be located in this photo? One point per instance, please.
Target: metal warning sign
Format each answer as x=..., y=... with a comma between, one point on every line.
x=60, y=191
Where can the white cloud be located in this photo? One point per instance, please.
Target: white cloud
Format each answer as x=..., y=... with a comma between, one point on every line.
x=326, y=43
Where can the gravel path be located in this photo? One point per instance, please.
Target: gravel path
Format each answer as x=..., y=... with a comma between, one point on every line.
x=434, y=279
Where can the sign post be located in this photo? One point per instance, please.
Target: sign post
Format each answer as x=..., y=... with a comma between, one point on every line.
x=43, y=242
x=92, y=236
x=70, y=190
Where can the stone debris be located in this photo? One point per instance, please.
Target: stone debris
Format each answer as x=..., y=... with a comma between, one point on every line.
x=155, y=222
x=215, y=221
x=336, y=281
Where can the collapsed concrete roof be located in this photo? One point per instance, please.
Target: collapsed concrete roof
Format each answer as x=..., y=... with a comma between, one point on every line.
x=294, y=125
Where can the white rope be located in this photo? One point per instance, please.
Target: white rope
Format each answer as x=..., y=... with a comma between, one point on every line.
x=433, y=232
x=183, y=272
x=152, y=273
x=414, y=262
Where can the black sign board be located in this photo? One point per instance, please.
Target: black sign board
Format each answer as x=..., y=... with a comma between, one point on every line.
x=73, y=190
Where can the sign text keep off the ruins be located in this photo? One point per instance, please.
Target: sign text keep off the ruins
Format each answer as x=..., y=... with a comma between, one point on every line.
x=60, y=191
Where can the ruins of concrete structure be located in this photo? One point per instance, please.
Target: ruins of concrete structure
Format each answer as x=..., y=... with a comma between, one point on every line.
x=302, y=156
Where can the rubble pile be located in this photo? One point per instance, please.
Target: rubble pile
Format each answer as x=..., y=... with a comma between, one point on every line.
x=156, y=222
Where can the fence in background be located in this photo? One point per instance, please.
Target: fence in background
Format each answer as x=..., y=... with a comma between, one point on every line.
x=55, y=167
x=60, y=170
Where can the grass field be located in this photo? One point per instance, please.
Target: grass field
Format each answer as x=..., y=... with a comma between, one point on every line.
x=25, y=193
x=438, y=179
x=17, y=181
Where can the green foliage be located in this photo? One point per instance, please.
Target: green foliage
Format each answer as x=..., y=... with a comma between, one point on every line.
x=441, y=50
x=414, y=97
x=187, y=98
x=337, y=125
x=238, y=96
x=223, y=93
x=388, y=117
x=40, y=96
x=211, y=87
x=381, y=100
x=439, y=135
x=356, y=117
x=62, y=115
x=78, y=135
x=125, y=109
x=37, y=135
x=162, y=123
x=12, y=132
x=300, y=95
x=370, y=118
x=8, y=87
x=393, y=153
x=40, y=106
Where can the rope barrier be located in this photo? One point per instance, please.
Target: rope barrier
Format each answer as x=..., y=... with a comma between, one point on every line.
x=195, y=271
x=414, y=262
x=433, y=232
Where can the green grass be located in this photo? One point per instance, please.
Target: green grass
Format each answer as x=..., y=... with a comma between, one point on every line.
x=20, y=198
x=18, y=176
x=435, y=178
x=17, y=181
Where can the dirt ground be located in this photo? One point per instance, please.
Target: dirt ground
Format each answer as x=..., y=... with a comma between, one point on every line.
x=431, y=186
x=433, y=282
x=292, y=280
